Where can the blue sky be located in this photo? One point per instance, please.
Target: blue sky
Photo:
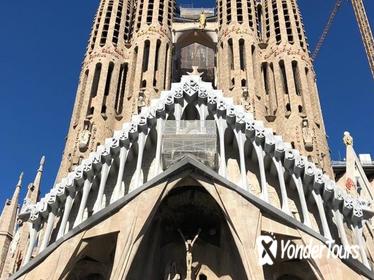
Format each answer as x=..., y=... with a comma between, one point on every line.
x=42, y=47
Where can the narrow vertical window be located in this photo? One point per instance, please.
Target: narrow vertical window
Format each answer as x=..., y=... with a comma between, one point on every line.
x=242, y=54
x=128, y=22
x=117, y=24
x=259, y=21
x=284, y=77
x=150, y=11
x=277, y=31
x=250, y=13
x=122, y=79
x=107, y=87
x=108, y=15
x=97, y=24
x=94, y=88
x=264, y=71
x=231, y=54
x=156, y=62
x=146, y=56
x=297, y=79
x=239, y=11
x=166, y=66
x=285, y=87
x=287, y=21
x=140, y=13
x=161, y=12
x=228, y=11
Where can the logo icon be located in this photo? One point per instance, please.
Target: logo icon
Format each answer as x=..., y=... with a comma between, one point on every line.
x=267, y=248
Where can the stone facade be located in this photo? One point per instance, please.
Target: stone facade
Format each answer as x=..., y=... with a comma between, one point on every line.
x=271, y=171
x=262, y=61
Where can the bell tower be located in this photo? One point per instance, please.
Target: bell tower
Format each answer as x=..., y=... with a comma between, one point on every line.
x=288, y=82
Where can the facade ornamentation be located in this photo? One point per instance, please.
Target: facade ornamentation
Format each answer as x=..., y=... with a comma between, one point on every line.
x=268, y=168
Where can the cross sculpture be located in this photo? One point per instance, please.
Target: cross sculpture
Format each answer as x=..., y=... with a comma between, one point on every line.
x=189, y=245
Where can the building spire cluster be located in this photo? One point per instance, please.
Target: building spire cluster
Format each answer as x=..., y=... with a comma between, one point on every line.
x=14, y=233
x=251, y=76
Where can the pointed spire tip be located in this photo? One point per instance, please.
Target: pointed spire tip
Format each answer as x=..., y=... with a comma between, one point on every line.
x=20, y=179
x=42, y=162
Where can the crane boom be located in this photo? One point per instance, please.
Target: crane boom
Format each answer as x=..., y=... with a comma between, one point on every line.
x=327, y=28
x=365, y=30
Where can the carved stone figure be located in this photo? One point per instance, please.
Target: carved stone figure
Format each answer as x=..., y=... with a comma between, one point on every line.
x=348, y=140
x=85, y=136
x=244, y=101
x=202, y=20
x=189, y=245
x=142, y=102
x=307, y=135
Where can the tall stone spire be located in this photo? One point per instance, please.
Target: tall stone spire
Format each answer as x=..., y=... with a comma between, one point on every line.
x=8, y=222
x=14, y=257
x=33, y=191
x=100, y=106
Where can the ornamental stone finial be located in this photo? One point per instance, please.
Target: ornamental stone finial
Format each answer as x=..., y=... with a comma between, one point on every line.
x=348, y=140
x=20, y=180
x=42, y=162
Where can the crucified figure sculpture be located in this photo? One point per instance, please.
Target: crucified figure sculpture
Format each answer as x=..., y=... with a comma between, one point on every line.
x=189, y=245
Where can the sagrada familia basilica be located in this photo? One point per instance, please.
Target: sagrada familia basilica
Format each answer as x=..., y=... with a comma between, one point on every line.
x=196, y=137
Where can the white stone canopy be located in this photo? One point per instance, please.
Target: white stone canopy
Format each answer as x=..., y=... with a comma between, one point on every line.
x=121, y=166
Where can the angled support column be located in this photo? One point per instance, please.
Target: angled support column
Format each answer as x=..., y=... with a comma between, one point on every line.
x=35, y=220
x=143, y=135
x=237, y=123
x=71, y=183
x=220, y=119
x=53, y=208
x=88, y=174
x=258, y=143
x=337, y=205
x=295, y=166
x=129, y=135
x=357, y=227
x=102, y=164
x=278, y=158
x=314, y=180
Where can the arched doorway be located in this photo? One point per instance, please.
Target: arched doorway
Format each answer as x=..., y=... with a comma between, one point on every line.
x=188, y=217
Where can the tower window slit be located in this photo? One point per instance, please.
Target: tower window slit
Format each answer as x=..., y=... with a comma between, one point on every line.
x=297, y=78
x=107, y=87
x=250, y=16
x=239, y=11
x=259, y=21
x=94, y=88
x=264, y=70
x=242, y=54
x=108, y=15
x=118, y=23
x=150, y=12
x=161, y=12
x=278, y=35
x=95, y=31
x=129, y=22
x=146, y=56
x=228, y=11
x=231, y=54
x=156, y=62
x=166, y=65
x=122, y=79
x=284, y=77
x=287, y=21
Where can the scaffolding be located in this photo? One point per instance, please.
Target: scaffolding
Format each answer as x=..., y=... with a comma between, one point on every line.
x=196, y=138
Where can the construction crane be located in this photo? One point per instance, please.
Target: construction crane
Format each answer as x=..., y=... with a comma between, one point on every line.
x=363, y=24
